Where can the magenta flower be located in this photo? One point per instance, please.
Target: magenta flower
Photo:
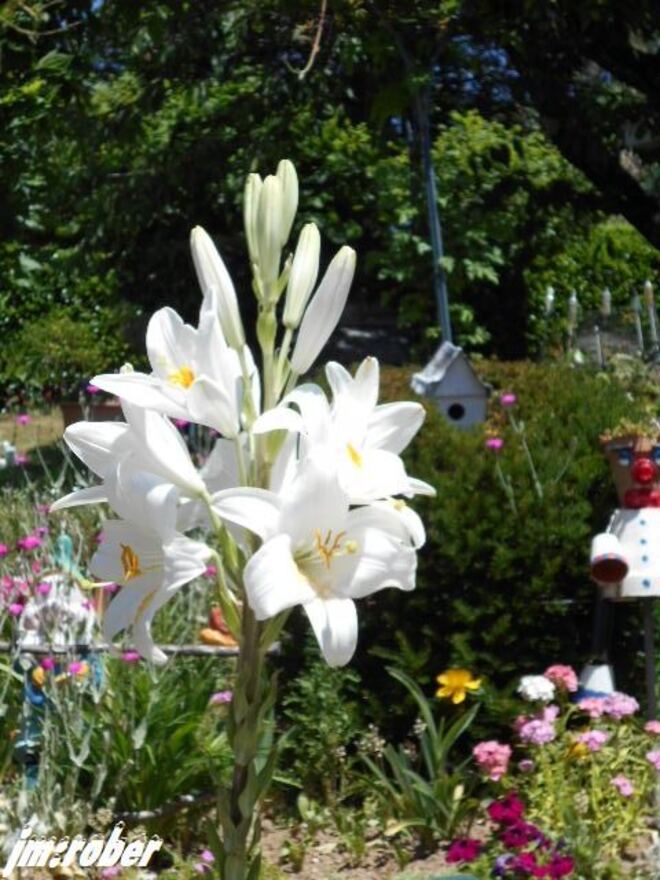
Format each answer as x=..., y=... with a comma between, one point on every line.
x=652, y=727
x=594, y=740
x=130, y=657
x=110, y=588
x=493, y=758
x=211, y=572
x=207, y=856
x=4, y=550
x=15, y=609
x=654, y=758
x=92, y=389
x=48, y=663
x=44, y=588
x=494, y=443
x=29, y=542
x=181, y=423
x=519, y=834
x=76, y=667
x=110, y=873
x=623, y=784
x=508, y=399
x=35, y=566
x=22, y=459
x=563, y=677
x=537, y=732
x=23, y=419
x=221, y=698
x=464, y=849
x=526, y=765
x=506, y=810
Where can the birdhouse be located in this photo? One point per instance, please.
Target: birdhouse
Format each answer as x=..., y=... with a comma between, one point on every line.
x=450, y=381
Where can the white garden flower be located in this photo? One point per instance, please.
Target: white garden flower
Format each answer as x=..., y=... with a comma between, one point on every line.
x=318, y=553
x=146, y=556
x=215, y=281
x=536, y=688
x=196, y=376
x=147, y=441
x=324, y=311
x=360, y=438
x=286, y=174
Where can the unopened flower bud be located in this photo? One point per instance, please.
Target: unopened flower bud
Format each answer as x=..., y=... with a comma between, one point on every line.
x=286, y=174
x=253, y=186
x=269, y=229
x=304, y=272
x=217, y=287
x=324, y=310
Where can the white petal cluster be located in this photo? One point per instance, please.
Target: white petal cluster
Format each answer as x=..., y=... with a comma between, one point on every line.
x=536, y=688
x=320, y=482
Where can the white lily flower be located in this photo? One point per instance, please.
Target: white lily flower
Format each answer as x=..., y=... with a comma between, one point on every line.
x=147, y=441
x=324, y=311
x=304, y=272
x=196, y=376
x=146, y=556
x=360, y=438
x=318, y=553
x=253, y=186
x=214, y=279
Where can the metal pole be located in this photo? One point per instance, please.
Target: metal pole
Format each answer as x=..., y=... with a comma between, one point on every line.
x=649, y=658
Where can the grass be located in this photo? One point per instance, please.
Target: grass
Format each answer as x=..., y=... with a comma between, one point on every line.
x=44, y=429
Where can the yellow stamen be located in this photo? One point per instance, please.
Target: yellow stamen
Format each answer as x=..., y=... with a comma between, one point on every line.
x=130, y=562
x=399, y=504
x=183, y=377
x=325, y=549
x=351, y=547
x=354, y=455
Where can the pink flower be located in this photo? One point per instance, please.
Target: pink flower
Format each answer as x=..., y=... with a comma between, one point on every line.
x=42, y=508
x=508, y=399
x=130, y=656
x=100, y=538
x=465, y=849
x=563, y=677
x=652, y=727
x=493, y=758
x=41, y=531
x=15, y=609
x=44, y=588
x=22, y=459
x=624, y=785
x=619, y=705
x=494, y=443
x=201, y=868
x=110, y=588
x=594, y=740
x=207, y=856
x=526, y=765
x=593, y=706
x=48, y=663
x=29, y=542
x=181, y=423
x=110, y=873
x=7, y=582
x=76, y=667
x=221, y=698
x=92, y=389
x=4, y=550
x=537, y=732
x=35, y=566
x=211, y=571
x=506, y=810
x=23, y=419
x=654, y=758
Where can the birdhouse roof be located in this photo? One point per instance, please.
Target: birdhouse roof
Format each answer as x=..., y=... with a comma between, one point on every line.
x=438, y=368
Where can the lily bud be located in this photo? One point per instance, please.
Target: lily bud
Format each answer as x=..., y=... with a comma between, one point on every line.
x=304, y=272
x=217, y=286
x=253, y=186
x=286, y=174
x=324, y=310
x=269, y=229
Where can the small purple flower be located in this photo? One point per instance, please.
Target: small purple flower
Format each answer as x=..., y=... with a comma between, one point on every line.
x=526, y=765
x=92, y=389
x=594, y=740
x=181, y=423
x=207, y=856
x=23, y=419
x=29, y=542
x=221, y=698
x=48, y=663
x=44, y=588
x=110, y=588
x=508, y=399
x=211, y=572
x=130, y=657
x=654, y=758
x=15, y=609
x=494, y=443
x=4, y=550
x=624, y=785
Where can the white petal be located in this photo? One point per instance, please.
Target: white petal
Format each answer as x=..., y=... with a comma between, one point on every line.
x=419, y=487
x=394, y=517
x=214, y=405
x=381, y=561
x=273, y=581
x=280, y=418
x=255, y=509
x=93, y=443
x=366, y=383
x=393, y=425
x=334, y=622
x=374, y=474
x=339, y=379
x=314, y=501
x=144, y=499
x=91, y=495
x=144, y=391
x=217, y=286
x=170, y=343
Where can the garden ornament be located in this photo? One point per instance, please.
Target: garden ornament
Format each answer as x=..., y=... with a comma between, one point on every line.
x=450, y=381
x=625, y=559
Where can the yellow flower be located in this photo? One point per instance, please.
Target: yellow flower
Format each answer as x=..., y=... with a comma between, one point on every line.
x=455, y=683
x=577, y=750
x=38, y=677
